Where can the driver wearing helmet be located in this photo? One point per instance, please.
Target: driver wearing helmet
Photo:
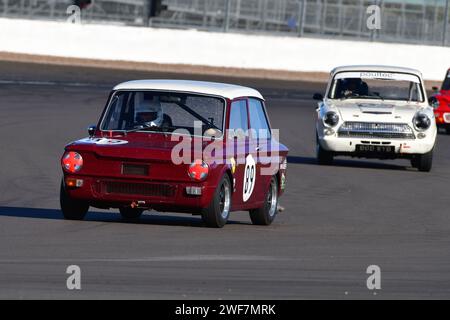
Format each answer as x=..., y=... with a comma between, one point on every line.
x=353, y=87
x=149, y=112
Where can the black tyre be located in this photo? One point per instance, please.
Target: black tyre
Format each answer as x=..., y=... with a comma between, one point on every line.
x=216, y=215
x=71, y=209
x=324, y=157
x=415, y=162
x=266, y=214
x=423, y=162
x=130, y=214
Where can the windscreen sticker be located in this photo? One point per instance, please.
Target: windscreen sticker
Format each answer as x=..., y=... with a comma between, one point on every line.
x=378, y=75
x=103, y=141
x=233, y=165
x=249, y=177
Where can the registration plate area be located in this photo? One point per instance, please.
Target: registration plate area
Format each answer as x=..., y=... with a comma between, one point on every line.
x=375, y=149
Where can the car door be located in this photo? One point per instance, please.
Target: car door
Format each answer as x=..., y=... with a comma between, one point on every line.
x=237, y=148
x=259, y=145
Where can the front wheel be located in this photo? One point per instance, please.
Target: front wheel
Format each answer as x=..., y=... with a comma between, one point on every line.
x=71, y=209
x=216, y=215
x=130, y=214
x=324, y=157
x=265, y=215
x=423, y=162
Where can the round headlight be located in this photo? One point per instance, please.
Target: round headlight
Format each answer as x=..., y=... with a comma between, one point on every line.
x=422, y=121
x=72, y=161
x=331, y=118
x=198, y=170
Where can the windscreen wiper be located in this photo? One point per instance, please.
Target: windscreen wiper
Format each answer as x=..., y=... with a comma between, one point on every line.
x=145, y=128
x=364, y=97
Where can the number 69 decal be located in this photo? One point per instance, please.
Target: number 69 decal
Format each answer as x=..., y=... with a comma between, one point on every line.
x=249, y=177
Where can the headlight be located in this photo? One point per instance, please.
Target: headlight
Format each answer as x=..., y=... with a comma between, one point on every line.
x=198, y=170
x=331, y=118
x=72, y=161
x=422, y=122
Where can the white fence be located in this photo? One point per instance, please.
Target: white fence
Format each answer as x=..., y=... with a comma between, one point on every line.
x=191, y=47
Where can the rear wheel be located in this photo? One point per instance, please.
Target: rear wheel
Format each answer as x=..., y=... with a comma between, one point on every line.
x=216, y=215
x=130, y=214
x=423, y=162
x=324, y=157
x=71, y=209
x=266, y=214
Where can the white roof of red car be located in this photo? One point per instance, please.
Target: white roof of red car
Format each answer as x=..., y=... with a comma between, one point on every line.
x=228, y=91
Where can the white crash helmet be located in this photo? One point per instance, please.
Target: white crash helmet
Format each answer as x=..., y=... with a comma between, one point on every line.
x=144, y=106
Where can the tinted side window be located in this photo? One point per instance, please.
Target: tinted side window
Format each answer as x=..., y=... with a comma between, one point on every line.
x=446, y=83
x=258, y=120
x=238, y=116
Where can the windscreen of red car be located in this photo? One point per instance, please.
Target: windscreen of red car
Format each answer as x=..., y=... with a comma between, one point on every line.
x=163, y=111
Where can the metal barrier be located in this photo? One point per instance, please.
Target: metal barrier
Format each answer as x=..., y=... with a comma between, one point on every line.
x=405, y=21
x=110, y=11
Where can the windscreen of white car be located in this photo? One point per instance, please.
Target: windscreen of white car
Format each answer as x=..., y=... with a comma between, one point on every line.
x=376, y=86
x=163, y=112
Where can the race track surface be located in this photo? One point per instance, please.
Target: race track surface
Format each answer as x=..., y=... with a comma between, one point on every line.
x=338, y=219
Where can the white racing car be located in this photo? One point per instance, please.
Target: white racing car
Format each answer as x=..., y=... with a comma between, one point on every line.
x=376, y=112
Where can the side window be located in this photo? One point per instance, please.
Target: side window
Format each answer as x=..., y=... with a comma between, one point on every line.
x=116, y=117
x=446, y=83
x=258, y=121
x=238, y=118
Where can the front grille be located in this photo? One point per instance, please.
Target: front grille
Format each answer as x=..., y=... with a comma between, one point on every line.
x=141, y=189
x=376, y=130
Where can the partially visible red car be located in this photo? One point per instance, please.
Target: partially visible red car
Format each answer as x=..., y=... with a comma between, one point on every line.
x=179, y=146
x=441, y=104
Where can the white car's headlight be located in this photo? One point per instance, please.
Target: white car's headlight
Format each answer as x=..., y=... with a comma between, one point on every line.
x=421, y=121
x=331, y=118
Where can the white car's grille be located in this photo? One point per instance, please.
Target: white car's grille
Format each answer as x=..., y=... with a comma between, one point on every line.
x=376, y=130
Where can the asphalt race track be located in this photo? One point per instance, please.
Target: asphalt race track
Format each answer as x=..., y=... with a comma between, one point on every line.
x=338, y=219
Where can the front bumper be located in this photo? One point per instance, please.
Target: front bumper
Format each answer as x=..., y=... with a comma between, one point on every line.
x=348, y=145
x=160, y=195
x=403, y=148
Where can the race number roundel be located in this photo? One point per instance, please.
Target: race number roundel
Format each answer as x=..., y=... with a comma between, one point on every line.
x=249, y=177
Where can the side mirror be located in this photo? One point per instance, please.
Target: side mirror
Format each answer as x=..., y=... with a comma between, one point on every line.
x=91, y=131
x=433, y=102
x=318, y=97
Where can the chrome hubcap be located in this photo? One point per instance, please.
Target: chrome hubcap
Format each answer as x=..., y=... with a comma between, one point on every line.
x=272, y=197
x=224, y=199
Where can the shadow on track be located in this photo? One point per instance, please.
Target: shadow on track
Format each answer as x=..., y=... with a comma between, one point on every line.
x=113, y=216
x=348, y=163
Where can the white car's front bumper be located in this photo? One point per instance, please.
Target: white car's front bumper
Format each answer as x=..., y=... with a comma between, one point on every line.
x=403, y=147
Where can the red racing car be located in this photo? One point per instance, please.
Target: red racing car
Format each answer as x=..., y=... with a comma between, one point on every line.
x=177, y=146
x=441, y=104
